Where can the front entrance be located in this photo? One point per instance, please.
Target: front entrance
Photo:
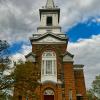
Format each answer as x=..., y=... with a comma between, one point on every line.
x=48, y=97
x=79, y=98
x=49, y=94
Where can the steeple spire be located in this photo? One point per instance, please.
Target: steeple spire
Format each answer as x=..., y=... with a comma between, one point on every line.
x=50, y=4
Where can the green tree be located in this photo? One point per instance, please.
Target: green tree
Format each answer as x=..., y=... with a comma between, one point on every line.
x=90, y=95
x=26, y=76
x=5, y=80
x=4, y=45
x=96, y=86
x=94, y=92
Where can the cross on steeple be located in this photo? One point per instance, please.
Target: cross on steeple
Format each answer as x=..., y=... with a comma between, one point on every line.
x=50, y=4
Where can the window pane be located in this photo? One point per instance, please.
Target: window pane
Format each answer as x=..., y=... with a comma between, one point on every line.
x=70, y=94
x=49, y=67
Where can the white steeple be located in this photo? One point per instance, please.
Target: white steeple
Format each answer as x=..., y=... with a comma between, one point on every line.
x=49, y=18
x=50, y=4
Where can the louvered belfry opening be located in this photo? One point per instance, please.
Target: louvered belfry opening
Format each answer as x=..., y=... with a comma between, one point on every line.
x=49, y=21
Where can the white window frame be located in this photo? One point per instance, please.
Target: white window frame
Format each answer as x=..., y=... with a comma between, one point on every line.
x=49, y=60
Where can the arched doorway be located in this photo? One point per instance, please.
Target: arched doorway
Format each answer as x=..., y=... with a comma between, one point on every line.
x=48, y=94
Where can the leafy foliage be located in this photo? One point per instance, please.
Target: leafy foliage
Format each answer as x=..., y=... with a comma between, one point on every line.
x=90, y=95
x=6, y=81
x=3, y=45
x=3, y=51
x=26, y=76
x=96, y=86
x=23, y=79
x=94, y=92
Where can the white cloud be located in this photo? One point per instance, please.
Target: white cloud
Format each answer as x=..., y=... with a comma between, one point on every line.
x=87, y=52
x=21, y=55
x=97, y=20
x=16, y=23
x=20, y=18
x=74, y=11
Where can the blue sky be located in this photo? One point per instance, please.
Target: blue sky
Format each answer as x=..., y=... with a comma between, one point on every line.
x=20, y=18
x=83, y=30
x=16, y=47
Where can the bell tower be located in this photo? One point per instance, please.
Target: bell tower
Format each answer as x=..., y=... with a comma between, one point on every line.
x=49, y=18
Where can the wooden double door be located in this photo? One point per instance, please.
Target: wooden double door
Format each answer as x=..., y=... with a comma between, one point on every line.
x=48, y=97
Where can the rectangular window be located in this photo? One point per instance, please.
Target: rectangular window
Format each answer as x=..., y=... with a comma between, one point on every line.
x=70, y=94
x=27, y=98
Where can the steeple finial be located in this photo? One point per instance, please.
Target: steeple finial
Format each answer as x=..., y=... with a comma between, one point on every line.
x=50, y=4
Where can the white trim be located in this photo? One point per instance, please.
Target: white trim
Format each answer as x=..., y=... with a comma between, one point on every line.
x=49, y=42
x=78, y=68
x=70, y=95
x=52, y=76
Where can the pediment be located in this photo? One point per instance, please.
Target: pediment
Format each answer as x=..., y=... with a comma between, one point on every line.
x=68, y=57
x=30, y=57
x=49, y=39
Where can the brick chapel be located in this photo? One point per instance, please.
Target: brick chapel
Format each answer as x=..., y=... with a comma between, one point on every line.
x=60, y=78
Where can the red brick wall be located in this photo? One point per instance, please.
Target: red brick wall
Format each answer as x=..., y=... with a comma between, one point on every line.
x=56, y=88
x=69, y=80
x=40, y=48
x=80, y=83
x=59, y=49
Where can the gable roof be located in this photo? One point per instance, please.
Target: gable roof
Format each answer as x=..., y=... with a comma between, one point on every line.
x=30, y=54
x=69, y=54
x=68, y=57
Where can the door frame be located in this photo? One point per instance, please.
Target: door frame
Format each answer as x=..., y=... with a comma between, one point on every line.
x=52, y=93
x=49, y=96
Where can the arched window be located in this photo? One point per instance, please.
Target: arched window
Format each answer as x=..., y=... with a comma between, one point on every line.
x=48, y=92
x=49, y=21
x=48, y=63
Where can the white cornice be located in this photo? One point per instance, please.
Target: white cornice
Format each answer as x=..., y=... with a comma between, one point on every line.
x=46, y=42
x=78, y=67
